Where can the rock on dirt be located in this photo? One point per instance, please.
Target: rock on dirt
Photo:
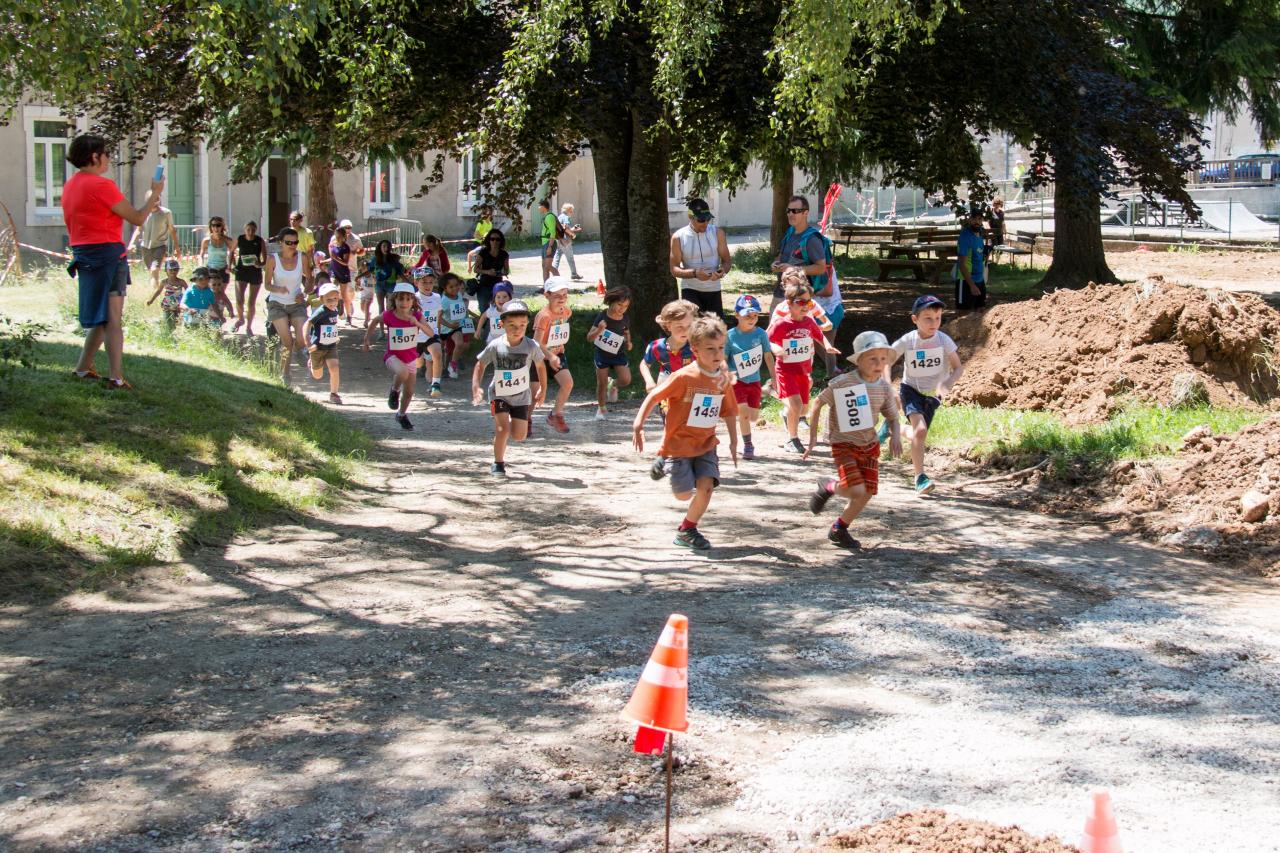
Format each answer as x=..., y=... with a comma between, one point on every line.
x=1254, y=505
x=934, y=831
x=1079, y=352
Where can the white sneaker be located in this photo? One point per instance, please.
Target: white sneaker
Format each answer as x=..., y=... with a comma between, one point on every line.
x=612, y=394
x=452, y=372
x=599, y=414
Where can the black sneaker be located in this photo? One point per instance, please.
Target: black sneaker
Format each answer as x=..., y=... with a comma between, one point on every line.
x=498, y=469
x=658, y=469
x=403, y=420
x=818, y=500
x=840, y=536
x=393, y=398
x=691, y=538
x=794, y=446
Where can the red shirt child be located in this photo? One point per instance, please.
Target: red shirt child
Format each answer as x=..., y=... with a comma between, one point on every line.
x=798, y=339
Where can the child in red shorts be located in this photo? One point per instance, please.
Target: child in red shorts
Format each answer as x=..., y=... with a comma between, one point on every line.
x=749, y=352
x=794, y=339
x=856, y=399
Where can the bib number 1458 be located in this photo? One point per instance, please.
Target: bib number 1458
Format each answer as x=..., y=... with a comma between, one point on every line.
x=704, y=410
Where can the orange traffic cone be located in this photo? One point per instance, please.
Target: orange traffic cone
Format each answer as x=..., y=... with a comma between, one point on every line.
x=599, y=287
x=661, y=699
x=1100, y=832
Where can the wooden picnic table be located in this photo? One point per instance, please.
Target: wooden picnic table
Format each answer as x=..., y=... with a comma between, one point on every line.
x=925, y=261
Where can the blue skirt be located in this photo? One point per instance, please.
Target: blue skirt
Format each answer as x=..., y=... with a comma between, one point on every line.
x=102, y=269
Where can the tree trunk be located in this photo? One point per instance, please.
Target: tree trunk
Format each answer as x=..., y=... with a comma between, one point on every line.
x=631, y=177
x=783, y=187
x=1078, y=257
x=322, y=204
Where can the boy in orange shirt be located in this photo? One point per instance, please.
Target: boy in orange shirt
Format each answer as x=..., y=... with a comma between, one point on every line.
x=697, y=396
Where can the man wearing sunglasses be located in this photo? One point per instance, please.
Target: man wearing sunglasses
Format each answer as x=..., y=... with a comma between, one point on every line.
x=797, y=245
x=700, y=258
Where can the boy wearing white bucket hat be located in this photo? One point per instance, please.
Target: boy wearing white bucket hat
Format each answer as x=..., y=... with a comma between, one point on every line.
x=855, y=398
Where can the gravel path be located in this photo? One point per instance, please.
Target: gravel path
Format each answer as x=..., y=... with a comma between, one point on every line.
x=440, y=666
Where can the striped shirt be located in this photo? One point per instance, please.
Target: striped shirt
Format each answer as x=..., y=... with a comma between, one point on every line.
x=880, y=401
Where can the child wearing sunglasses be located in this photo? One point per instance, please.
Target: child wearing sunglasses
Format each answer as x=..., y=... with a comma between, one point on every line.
x=794, y=340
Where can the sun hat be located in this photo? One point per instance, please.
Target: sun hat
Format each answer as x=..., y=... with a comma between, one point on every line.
x=346, y=223
x=926, y=301
x=746, y=304
x=870, y=342
x=200, y=272
x=326, y=289
x=173, y=264
x=515, y=306
x=404, y=287
x=700, y=210
x=555, y=284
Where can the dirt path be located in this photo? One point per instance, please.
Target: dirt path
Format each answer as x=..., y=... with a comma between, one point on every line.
x=440, y=666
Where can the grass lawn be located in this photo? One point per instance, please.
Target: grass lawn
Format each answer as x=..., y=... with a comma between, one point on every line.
x=96, y=483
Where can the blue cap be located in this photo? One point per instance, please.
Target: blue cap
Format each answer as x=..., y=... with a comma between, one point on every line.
x=927, y=301
x=746, y=304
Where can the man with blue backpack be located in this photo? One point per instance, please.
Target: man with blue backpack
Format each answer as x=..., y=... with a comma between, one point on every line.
x=806, y=248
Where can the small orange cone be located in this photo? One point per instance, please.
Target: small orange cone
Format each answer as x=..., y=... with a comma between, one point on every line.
x=661, y=700
x=599, y=287
x=1100, y=832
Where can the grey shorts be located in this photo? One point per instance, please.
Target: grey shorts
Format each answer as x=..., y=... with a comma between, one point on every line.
x=281, y=311
x=152, y=259
x=684, y=471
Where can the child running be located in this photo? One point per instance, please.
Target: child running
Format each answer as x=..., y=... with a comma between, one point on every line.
x=455, y=311
x=794, y=339
x=503, y=292
x=698, y=397
x=173, y=288
x=855, y=399
x=429, y=346
x=198, y=302
x=551, y=331
x=668, y=354
x=511, y=398
x=610, y=331
x=321, y=334
x=747, y=350
x=930, y=367
x=403, y=321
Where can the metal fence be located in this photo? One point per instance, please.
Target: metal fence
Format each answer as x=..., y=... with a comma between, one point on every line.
x=1264, y=171
x=403, y=233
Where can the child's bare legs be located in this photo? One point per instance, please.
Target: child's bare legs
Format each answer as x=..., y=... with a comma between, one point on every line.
x=501, y=434
x=240, y=288
x=746, y=417
x=602, y=386
x=699, y=499
x=795, y=408
x=437, y=362
x=856, y=500
x=564, y=379
x=333, y=375
x=919, y=433
x=406, y=375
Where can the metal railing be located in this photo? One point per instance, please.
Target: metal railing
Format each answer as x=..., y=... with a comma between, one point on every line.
x=403, y=233
x=1254, y=170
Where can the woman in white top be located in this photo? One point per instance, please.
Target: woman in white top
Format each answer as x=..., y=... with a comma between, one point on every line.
x=283, y=279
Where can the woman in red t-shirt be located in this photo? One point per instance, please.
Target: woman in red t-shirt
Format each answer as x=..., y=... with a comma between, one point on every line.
x=95, y=211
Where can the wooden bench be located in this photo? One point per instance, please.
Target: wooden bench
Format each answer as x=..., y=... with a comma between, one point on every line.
x=1014, y=245
x=922, y=269
x=848, y=235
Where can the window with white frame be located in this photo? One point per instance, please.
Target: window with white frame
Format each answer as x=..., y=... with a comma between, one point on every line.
x=383, y=185
x=49, y=138
x=472, y=168
x=677, y=189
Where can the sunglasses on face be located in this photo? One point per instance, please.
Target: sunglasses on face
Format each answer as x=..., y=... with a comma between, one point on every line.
x=291, y=242
x=799, y=301
x=797, y=210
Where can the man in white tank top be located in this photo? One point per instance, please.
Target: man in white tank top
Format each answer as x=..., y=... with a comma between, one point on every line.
x=700, y=258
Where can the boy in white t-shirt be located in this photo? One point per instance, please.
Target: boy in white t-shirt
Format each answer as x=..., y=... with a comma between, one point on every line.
x=429, y=346
x=930, y=366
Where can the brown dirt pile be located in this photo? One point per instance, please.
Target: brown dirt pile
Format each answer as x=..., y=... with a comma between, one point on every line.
x=1079, y=352
x=1221, y=492
x=934, y=831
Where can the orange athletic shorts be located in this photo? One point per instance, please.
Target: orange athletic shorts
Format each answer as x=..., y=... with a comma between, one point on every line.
x=857, y=465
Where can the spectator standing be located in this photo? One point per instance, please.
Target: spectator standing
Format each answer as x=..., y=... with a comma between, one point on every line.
x=700, y=258
x=564, y=245
x=154, y=238
x=493, y=265
x=306, y=240
x=551, y=232
x=94, y=211
x=970, y=270
x=995, y=224
x=798, y=243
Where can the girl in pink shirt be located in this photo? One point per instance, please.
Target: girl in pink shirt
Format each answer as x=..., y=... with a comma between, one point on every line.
x=402, y=322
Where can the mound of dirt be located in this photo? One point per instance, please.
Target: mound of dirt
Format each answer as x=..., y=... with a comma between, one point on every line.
x=1220, y=493
x=1079, y=352
x=934, y=831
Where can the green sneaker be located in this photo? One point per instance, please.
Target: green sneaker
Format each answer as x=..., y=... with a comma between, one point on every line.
x=882, y=431
x=923, y=484
x=691, y=538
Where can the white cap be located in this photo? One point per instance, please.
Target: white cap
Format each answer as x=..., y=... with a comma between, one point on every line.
x=555, y=284
x=404, y=287
x=346, y=223
x=870, y=341
x=326, y=289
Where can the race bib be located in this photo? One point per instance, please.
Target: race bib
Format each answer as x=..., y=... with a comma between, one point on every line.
x=797, y=350
x=510, y=383
x=456, y=312
x=328, y=335
x=468, y=325
x=610, y=342
x=402, y=337
x=748, y=363
x=853, y=408
x=558, y=335
x=705, y=410
x=924, y=363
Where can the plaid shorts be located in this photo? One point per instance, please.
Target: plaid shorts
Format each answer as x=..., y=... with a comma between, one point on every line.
x=857, y=465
